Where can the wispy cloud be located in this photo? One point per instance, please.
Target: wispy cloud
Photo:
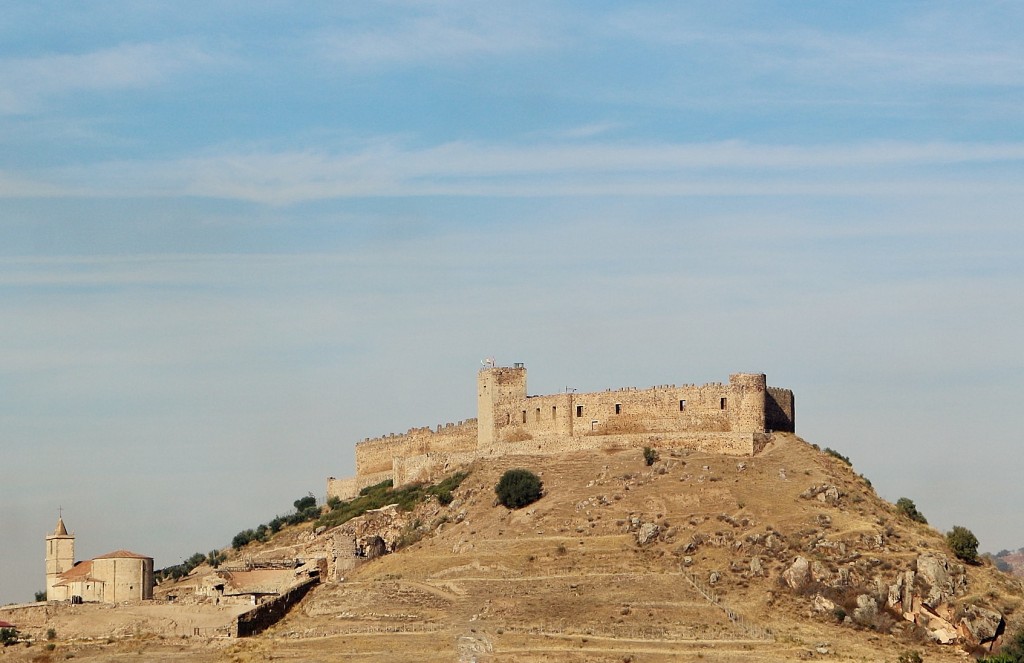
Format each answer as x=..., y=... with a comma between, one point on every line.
x=937, y=47
x=26, y=82
x=465, y=168
x=430, y=32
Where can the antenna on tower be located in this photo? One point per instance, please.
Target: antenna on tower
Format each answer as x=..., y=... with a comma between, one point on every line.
x=488, y=362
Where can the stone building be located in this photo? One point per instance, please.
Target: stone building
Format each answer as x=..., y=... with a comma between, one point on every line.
x=112, y=578
x=735, y=418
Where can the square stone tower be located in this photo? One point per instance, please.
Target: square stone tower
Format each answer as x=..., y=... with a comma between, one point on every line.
x=60, y=557
x=500, y=392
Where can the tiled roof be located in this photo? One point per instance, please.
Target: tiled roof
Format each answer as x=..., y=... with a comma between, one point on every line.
x=122, y=553
x=79, y=571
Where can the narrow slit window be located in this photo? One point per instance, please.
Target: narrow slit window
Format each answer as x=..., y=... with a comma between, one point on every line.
x=618, y=408
x=554, y=410
x=682, y=405
x=579, y=410
x=538, y=414
x=722, y=404
x=524, y=416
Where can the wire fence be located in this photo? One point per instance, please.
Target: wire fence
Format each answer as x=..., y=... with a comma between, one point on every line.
x=755, y=631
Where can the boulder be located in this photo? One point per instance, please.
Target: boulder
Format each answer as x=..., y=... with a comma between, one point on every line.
x=822, y=604
x=980, y=625
x=756, y=569
x=648, y=532
x=820, y=572
x=939, y=629
x=943, y=579
x=866, y=610
x=798, y=575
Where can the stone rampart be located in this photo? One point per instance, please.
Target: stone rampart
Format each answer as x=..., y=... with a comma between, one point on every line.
x=780, y=410
x=732, y=418
x=346, y=489
x=376, y=454
x=271, y=611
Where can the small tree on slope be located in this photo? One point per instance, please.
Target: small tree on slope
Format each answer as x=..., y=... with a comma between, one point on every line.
x=517, y=488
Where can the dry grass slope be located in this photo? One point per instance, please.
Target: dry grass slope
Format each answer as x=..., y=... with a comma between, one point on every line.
x=565, y=579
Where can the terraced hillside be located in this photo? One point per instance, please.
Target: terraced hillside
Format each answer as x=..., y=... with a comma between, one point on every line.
x=696, y=557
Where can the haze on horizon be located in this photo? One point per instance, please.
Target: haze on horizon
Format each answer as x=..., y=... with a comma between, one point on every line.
x=236, y=239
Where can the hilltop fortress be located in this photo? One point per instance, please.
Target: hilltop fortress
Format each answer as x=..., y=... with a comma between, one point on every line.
x=734, y=418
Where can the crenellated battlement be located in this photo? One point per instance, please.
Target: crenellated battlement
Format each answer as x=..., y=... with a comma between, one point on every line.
x=730, y=418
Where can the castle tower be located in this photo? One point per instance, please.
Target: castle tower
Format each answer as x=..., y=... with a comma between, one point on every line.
x=60, y=556
x=500, y=393
x=747, y=411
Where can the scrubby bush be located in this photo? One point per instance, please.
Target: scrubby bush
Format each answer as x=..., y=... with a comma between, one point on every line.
x=650, y=456
x=963, y=543
x=835, y=454
x=906, y=506
x=910, y=656
x=383, y=493
x=40, y=596
x=215, y=558
x=518, y=487
x=8, y=636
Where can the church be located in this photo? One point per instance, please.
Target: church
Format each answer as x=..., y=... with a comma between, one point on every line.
x=112, y=578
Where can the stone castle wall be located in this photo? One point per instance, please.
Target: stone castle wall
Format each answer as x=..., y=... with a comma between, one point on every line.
x=732, y=418
x=375, y=454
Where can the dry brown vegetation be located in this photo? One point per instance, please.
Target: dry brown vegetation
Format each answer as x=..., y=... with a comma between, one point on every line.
x=565, y=578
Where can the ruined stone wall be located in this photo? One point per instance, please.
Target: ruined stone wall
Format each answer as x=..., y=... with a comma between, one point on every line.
x=434, y=466
x=431, y=466
x=375, y=455
x=270, y=612
x=347, y=489
x=780, y=410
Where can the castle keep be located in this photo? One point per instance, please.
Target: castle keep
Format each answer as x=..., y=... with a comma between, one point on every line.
x=734, y=418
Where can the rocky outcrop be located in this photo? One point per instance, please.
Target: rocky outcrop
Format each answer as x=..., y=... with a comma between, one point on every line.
x=826, y=493
x=980, y=625
x=928, y=596
x=798, y=575
x=866, y=611
x=944, y=579
x=648, y=532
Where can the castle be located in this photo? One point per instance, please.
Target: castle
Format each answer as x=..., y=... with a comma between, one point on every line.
x=117, y=576
x=734, y=418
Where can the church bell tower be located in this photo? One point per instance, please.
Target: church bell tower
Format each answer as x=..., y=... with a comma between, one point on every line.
x=60, y=556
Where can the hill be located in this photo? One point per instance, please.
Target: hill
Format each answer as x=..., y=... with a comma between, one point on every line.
x=788, y=555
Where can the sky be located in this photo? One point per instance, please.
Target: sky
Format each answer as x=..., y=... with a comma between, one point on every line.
x=236, y=238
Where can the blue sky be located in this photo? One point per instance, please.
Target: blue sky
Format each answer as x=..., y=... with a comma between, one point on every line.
x=235, y=238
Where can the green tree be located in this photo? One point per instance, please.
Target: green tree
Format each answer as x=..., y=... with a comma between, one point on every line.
x=304, y=503
x=963, y=543
x=8, y=636
x=40, y=596
x=517, y=488
x=906, y=506
x=215, y=558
